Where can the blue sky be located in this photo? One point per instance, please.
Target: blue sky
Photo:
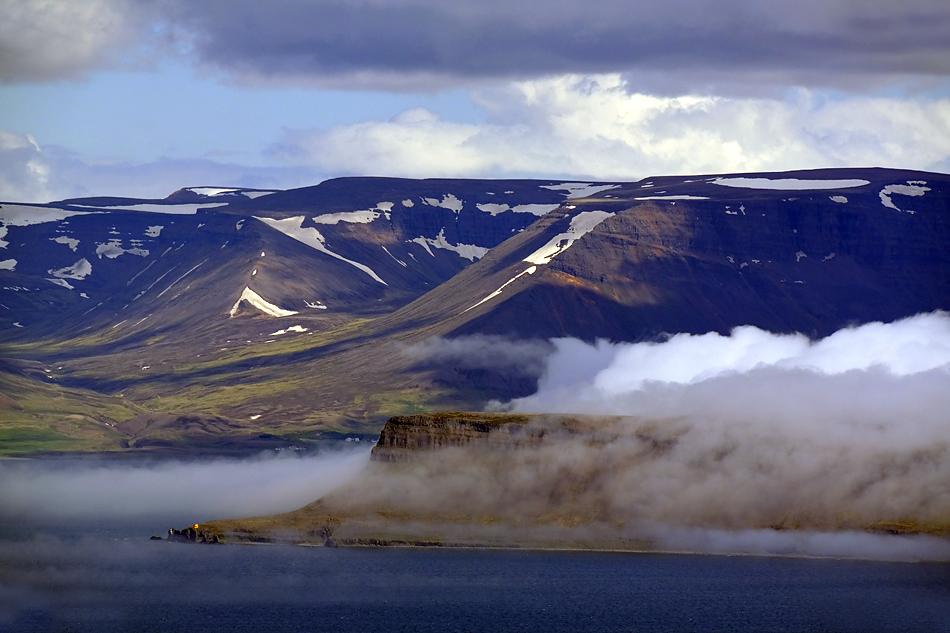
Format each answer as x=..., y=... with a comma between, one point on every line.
x=140, y=98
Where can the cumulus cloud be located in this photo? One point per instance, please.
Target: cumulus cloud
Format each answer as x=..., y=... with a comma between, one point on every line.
x=24, y=168
x=601, y=127
x=419, y=42
x=116, y=492
x=875, y=375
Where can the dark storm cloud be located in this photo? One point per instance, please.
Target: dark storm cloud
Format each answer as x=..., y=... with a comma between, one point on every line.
x=355, y=41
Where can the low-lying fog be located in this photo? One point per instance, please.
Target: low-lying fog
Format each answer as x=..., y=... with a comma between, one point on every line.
x=726, y=434
x=168, y=492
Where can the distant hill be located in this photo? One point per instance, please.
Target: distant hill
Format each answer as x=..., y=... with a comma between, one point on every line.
x=288, y=313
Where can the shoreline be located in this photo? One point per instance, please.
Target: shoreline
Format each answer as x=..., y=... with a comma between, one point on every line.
x=582, y=550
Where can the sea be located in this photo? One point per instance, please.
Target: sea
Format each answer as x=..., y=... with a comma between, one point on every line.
x=104, y=582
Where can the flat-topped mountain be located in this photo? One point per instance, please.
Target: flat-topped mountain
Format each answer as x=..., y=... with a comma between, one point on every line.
x=292, y=311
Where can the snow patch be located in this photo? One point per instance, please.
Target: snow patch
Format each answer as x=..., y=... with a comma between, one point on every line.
x=113, y=248
x=8, y=264
x=682, y=197
x=799, y=255
x=211, y=192
x=353, y=217
x=293, y=227
x=79, y=270
x=581, y=224
x=408, y=203
x=72, y=243
x=839, y=199
x=579, y=189
x=260, y=303
x=535, y=209
x=26, y=215
x=155, y=231
x=789, y=184
x=170, y=209
x=828, y=257
x=449, y=201
x=398, y=261
x=292, y=328
x=466, y=251
x=528, y=271
x=62, y=282
x=912, y=188
x=318, y=305
x=493, y=208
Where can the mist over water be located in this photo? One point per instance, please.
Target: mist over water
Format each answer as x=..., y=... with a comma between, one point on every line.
x=99, y=491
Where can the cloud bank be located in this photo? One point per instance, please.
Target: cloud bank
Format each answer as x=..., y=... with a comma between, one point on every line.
x=889, y=377
x=603, y=127
x=426, y=43
x=414, y=42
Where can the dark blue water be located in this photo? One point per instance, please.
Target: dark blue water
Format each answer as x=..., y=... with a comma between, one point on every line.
x=95, y=584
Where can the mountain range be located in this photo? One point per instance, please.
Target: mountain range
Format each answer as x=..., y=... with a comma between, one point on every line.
x=225, y=317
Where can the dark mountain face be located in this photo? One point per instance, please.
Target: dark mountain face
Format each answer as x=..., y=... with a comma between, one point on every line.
x=187, y=258
x=696, y=256
x=294, y=308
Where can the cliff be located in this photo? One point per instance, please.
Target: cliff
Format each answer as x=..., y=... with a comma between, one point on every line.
x=406, y=437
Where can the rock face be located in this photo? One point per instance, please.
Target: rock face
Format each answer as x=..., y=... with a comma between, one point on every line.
x=404, y=437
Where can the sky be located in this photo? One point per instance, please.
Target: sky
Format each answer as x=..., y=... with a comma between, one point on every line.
x=143, y=97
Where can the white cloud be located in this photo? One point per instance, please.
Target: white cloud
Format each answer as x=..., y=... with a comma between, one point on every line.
x=24, y=169
x=595, y=127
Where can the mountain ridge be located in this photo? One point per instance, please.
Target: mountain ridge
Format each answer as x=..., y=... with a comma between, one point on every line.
x=174, y=309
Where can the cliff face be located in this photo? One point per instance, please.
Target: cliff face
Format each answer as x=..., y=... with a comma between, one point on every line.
x=405, y=437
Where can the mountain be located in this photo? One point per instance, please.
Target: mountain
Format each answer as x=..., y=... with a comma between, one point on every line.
x=300, y=312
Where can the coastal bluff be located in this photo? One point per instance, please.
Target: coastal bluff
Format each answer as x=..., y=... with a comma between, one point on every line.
x=404, y=437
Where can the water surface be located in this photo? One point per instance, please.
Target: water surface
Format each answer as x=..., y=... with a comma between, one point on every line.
x=99, y=583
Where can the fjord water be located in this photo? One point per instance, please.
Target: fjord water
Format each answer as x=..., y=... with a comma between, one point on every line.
x=75, y=556
x=102, y=583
